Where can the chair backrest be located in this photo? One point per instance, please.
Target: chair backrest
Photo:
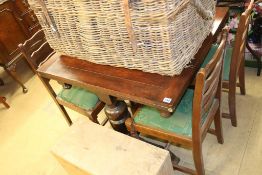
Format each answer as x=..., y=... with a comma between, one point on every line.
x=240, y=42
x=208, y=87
x=36, y=49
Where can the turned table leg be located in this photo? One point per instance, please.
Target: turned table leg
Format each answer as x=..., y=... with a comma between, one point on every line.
x=117, y=112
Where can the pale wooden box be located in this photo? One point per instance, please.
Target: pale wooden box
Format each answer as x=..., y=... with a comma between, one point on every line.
x=88, y=148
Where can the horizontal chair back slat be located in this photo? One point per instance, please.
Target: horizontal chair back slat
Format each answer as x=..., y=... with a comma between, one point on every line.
x=42, y=53
x=36, y=49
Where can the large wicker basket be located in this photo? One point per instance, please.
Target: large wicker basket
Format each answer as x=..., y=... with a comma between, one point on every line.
x=158, y=36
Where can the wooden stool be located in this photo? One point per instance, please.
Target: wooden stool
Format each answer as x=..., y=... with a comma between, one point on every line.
x=89, y=148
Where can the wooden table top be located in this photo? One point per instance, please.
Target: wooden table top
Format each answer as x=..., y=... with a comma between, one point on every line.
x=221, y=17
x=144, y=88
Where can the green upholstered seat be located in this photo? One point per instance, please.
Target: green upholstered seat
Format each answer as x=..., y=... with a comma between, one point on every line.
x=79, y=97
x=227, y=60
x=180, y=122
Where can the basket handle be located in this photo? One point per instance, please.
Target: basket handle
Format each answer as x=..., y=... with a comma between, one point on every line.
x=205, y=14
x=48, y=19
x=128, y=24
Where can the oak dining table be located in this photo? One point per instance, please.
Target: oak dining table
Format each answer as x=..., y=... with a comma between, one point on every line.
x=113, y=85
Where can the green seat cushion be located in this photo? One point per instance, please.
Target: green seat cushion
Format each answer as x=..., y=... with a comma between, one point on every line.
x=79, y=97
x=180, y=122
x=227, y=60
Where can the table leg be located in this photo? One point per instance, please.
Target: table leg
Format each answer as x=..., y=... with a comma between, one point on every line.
x=117, y=114
x=165, y=114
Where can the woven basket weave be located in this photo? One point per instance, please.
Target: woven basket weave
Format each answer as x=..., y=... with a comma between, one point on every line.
x=157, y=36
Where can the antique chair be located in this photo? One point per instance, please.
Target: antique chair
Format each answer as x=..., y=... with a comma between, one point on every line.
x=192, y=119
x=36, y=50
x=234, y=65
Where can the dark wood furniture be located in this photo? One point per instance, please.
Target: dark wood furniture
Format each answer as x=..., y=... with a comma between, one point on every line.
x=205, y=99
x=236, y=65
x=112, y=84
x=36, y=50
x=17, y=24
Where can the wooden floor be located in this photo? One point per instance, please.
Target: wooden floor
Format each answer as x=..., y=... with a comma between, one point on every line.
x=33, y=124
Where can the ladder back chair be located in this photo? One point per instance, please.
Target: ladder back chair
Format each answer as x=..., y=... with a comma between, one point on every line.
x=36, y=51
x=192, y=119
x=234, y=65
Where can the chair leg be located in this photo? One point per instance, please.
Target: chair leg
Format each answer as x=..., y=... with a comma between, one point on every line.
x=12, y=74
x=53, y=95
x=242, y=78
x=258, y=65
x=218, y=127
x=94, y=114
x=3, y=100
x=1, y=82
x=232, y=105
x=93, y=118
x=198, y=157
